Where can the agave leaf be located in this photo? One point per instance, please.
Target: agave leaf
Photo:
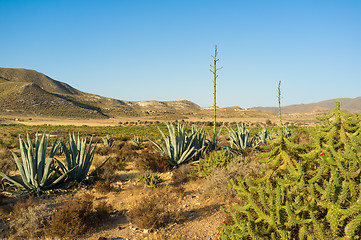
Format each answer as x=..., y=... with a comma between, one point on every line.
x=60, y=179
x=47, y=171
x=101, y=165
x=24, y=157
x=41, y=153
x=20, y=166
x=16, y=181
x=88, y=162
x=61, y=165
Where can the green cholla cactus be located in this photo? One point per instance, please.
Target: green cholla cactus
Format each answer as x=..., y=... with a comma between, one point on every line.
x=38, y=172
x=327, y=206
x=150, y=179
x=315, y=198
x=213, y=160
x=281, y=153
x=335, y=135
x=338, y=127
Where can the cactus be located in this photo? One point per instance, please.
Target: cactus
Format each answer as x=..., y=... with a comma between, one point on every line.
x=150, y=179
x=38, y=173
x=317, y=196
x=326, y=206
x=281, y=153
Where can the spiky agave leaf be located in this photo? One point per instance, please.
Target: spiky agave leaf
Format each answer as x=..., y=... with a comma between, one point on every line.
x=37, y=172
x=79, y=155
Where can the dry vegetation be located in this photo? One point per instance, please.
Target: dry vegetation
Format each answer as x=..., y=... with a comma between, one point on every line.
x=115, y=203
x=138, y=193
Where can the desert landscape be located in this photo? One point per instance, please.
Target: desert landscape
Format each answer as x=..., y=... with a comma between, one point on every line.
x=180, y=120
x=80, y=166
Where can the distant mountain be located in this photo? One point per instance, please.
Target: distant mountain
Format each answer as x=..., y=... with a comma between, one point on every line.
x=30, y=76
x=29, y=92
x=347, y=104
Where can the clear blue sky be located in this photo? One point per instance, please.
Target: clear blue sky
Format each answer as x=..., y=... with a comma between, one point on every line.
x=160, y=50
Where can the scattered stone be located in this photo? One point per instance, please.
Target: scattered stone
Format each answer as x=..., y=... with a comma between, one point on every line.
x=146, y=231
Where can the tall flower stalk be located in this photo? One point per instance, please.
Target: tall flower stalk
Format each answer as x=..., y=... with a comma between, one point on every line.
x=214, y=70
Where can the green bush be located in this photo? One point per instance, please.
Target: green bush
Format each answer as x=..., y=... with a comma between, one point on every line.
x=316, y=196
x=150, y=179
x=216, y=159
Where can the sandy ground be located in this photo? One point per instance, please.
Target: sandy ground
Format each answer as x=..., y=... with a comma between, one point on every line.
x=305, y=119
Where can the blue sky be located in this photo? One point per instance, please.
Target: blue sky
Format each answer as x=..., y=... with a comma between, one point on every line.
x=161, y=50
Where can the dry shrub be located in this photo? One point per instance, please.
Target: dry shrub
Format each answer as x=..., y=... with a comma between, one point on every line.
x=216, y=184
x=152, y=161
x=103, y=186
x=158, y=209
x=182, y=174
x=23, y=204
x=30, y=219
x=7, y=164
x=102, y=150
x=78, y=217
x=128, y=152
x=107, y=172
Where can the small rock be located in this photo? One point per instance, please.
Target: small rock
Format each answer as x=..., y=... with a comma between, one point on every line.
x=146, y=231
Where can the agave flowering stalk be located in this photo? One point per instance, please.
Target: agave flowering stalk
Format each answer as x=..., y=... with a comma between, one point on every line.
x=79, y=155
x=38, y=172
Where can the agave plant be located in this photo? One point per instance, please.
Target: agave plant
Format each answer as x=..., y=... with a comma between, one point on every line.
x=200, y=143
x=79, y=155
x=264, y=136
x=38, y=172
x=137, y=140
x=212, y=143
x=240, y=139
x=287, y=132
x=107, y=141
x=178, y=146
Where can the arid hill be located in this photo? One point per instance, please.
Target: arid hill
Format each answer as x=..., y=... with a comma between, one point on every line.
x=352, y=105
x=30, y=93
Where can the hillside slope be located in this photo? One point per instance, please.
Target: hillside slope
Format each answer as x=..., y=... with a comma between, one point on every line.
x=29, y=92
x=348, y=104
